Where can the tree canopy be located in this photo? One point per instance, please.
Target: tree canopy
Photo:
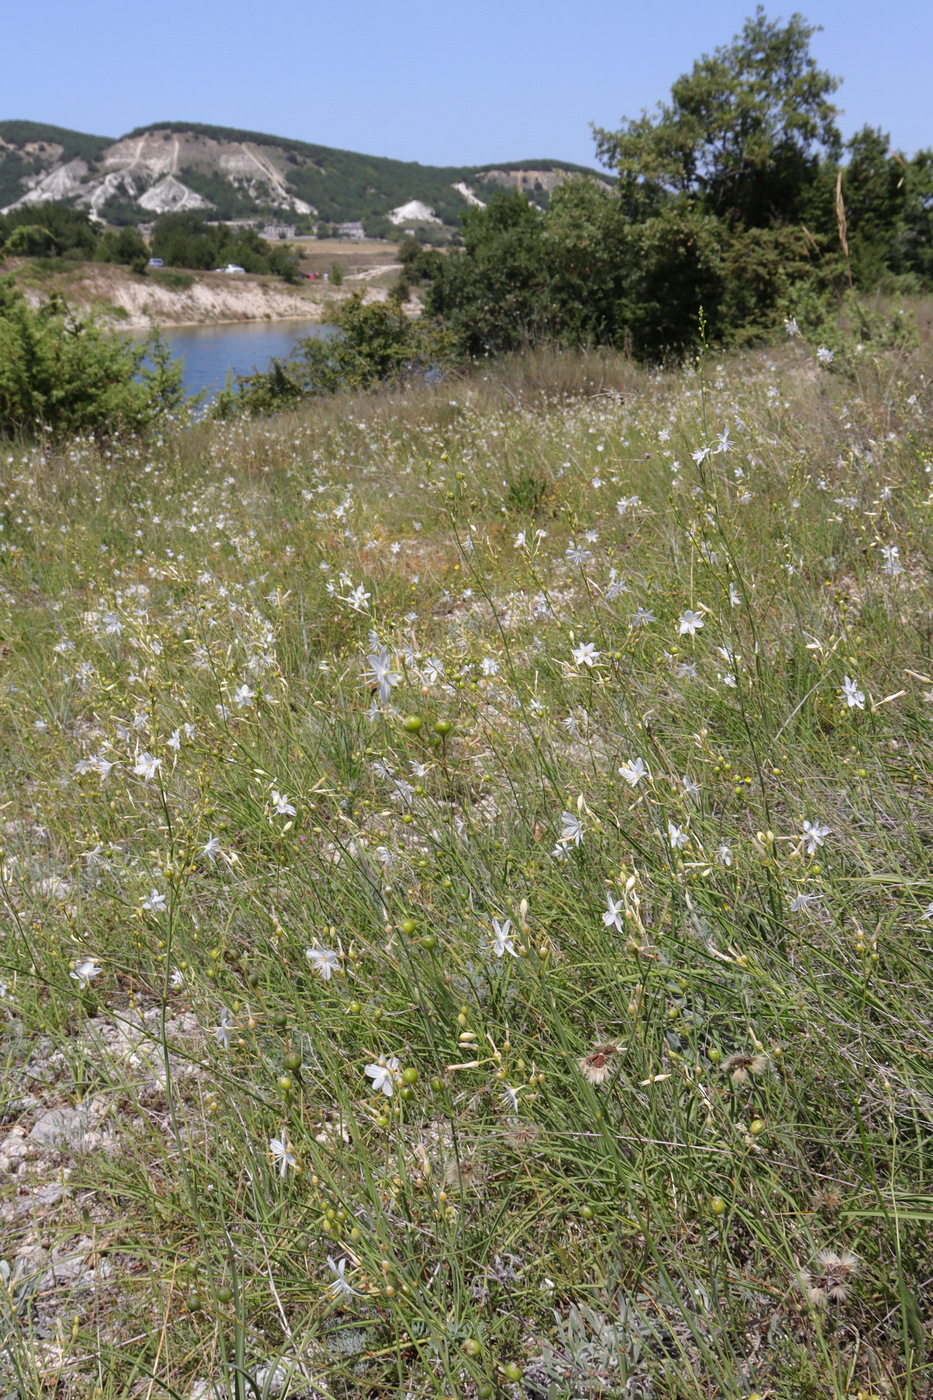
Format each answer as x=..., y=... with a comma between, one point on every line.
x=743, y=131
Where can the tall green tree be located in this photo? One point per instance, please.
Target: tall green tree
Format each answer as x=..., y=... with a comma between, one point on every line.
x=743, y=134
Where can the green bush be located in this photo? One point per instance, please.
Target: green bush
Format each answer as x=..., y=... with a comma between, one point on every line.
x=376, y=345
x=30, y=241
x=63, y=374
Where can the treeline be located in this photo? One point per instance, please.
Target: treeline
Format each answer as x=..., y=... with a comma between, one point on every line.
x=181, y=240
x=189, y=240
x=737, y=197
x=57, y=231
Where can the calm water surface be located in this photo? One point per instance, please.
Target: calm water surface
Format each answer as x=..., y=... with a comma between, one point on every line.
x=209, y=353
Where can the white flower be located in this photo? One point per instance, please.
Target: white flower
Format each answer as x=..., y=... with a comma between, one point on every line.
x=634, y=771
x=691, y=788
x=802, y=901
x=384, y=1074
x=340, y=1288
x=586, y=654
x=724, y=854
x=358, y=599
x=281, y=1154
x=790, y=325
x=891, y=555
x=85, y=972
x=519, y=541
x=690, y=622
x=928, y=912
x=734, y=596
x=211, y=848
x=223, y=1033
x=490, y=666
x=154, y=902
x=641, y=617
x=825, y=356
x=281, y=807
x=814, y=835
x=854, y=698
x=381, y=674
x=576, y=554
x=147, y=766
x=571, y=829
x=243, y=697
x=177, y=978
x=612, y=918
x=677, y=836
x=502, y=942
x=325, y=961
x=175, y=741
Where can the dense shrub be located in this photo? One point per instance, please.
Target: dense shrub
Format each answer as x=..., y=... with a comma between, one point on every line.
x=375, y=346
x=64, y=374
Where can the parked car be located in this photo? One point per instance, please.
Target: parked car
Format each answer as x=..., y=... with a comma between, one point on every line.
x=231, y=267
x=155, y=262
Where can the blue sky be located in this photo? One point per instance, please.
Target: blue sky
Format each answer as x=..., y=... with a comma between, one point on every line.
x=439, y=83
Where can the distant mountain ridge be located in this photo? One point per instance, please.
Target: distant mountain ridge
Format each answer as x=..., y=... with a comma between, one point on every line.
x=234, y=174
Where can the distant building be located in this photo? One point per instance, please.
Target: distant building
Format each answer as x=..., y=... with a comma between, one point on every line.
x=277, y=232
x=351, y=230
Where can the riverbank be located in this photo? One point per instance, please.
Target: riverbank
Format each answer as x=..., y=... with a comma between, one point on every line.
x=169, y=297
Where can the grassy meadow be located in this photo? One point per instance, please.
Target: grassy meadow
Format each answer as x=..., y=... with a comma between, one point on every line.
x=466, y=892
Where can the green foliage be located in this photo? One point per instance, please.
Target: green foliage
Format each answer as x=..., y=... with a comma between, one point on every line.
x=725, y=201
x=419, y=263
x=125, y=246
x=375, y=346
x=30, y=241
x=496, y=296
x=63, y=374
x=69, y=231
x=189, y=240
x=743, y=131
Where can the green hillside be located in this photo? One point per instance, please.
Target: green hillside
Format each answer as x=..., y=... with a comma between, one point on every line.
x=16, y=164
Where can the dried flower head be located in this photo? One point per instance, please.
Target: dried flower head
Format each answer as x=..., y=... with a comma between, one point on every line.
x=829, y=1277
x=522, y=1136
x=827, y=1199
x=741, y=1066
x=597, y=1065
x=461, y=1172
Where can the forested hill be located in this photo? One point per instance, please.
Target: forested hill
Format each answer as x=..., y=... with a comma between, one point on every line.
x=174, y=166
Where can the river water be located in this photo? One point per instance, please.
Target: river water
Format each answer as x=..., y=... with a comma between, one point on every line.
x=209, y=353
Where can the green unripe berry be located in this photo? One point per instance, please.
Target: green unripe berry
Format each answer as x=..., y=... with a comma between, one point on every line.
x=280, y=1020
x=407, y=926
x=512, y=1372
x=442, y=727
x=225, y=1294
x=472, y=1346
x=410, y=1075
x=412, y=724
x=292, y=1061
x=718, y=1206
